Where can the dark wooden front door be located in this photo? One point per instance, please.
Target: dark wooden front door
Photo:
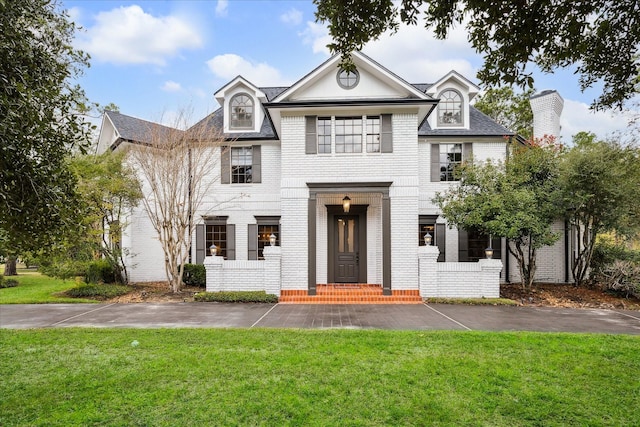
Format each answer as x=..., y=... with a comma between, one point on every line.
x=346, y=249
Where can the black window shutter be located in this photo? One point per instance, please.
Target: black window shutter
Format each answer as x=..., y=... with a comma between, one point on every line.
x=386, y=134
x=253, y=241
x=441, y=240
x=463, y=246
x=311, y=138
x=231, y=242
x=435, y=162
x=201, y=251
x=256, y=167
x=467, y=151
x=225, y=165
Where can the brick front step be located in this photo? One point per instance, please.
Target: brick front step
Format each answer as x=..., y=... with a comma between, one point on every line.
x=350, y=294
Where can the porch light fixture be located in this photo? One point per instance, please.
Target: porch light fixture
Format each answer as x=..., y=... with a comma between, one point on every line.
x=272, y=239
x=346, y=204
x=489, y=251
x=213, y=249
x=427, y=239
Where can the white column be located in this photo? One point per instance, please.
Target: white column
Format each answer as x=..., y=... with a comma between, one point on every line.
x=490, y=280
x=213, y=267
x=428, y=270
x=272, y=269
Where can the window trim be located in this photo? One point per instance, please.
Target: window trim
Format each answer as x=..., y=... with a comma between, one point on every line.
x=342, y=74
x=212, y=222
x=443, y=103
x=233, y=126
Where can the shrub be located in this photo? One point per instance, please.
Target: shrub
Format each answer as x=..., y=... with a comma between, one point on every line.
x=97, y=291
x=7, y=283
x=622, y=277
x=194, y=275
x=100, y=271
x=62, y=270
x=606, y=252
x=237, y=296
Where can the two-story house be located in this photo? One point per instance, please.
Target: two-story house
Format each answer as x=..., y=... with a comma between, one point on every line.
x=341, y=168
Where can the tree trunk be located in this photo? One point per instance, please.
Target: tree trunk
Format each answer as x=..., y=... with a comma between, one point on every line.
x=10, y=266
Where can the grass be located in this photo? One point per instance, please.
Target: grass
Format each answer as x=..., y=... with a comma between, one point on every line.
x=36, y=288
x=67, y=377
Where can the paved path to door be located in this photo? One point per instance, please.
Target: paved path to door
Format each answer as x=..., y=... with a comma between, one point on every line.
x=412, y=317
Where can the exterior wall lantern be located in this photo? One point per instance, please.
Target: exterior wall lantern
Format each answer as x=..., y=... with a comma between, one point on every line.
x=427, y=239
x=272, y=239
x=346, y=204
x=213, y=249
x=489, y=251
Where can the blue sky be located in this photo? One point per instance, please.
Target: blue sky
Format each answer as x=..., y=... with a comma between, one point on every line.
x=155, y=58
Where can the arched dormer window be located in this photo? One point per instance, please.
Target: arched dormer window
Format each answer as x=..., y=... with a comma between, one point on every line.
x=450, y=108
x=241, y=106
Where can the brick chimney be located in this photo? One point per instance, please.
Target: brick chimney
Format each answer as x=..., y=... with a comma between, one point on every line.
x=547, y=108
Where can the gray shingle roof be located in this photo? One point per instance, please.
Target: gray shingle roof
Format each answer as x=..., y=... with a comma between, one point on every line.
x=481, y=125
x=137, y=130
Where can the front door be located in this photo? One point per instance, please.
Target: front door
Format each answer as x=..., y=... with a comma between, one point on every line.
x=346, y=249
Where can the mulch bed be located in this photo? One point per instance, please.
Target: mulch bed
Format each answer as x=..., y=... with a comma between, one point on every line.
x=567, y=295
x=542, y=294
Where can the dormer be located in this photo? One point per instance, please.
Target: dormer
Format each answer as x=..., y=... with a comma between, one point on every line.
x=455, y=93
x=241, y=103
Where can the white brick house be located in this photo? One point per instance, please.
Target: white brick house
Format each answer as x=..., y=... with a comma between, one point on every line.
x=297, y=153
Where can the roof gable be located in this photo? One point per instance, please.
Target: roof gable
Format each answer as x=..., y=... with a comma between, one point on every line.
x=469, y=87
x=375, y=82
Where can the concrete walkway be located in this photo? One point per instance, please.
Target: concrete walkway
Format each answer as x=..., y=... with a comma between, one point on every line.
x=414, y=317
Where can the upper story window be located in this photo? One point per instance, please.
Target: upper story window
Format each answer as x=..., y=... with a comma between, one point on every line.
x=450, y=108
x=348, y=79
x=241, y=165
x=348, y=134
x=241, y=112
x=324, y=135
x=373, y=134
x=450, y=160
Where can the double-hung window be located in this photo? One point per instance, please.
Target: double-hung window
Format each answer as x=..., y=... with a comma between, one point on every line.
x=446, y=158
x=260, y=233
x=348, y=134
x=373, y=134
x=241, y=165
x=324, y=135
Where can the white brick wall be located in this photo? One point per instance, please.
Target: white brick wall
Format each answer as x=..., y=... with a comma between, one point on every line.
x=550, y=263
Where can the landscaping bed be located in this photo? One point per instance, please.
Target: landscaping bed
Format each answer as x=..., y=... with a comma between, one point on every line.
x=567, y=295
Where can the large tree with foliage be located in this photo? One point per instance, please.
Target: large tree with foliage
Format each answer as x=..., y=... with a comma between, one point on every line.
x=601, y=38
x=517, y=199
x=41, y=122
x=108, y=188
x=512, y=110
x=602, y=183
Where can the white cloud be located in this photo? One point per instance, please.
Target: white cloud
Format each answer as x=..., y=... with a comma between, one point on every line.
x=577, y=117
x=171, y=86
x=292, y=16
x=417, y=56
x=128, y=35
x=75, y=14
x=316, y=35
x=229, y=65
x=222, y=8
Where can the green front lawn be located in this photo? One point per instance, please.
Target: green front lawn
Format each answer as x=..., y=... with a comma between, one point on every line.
x=36, y=288
x=64, y=377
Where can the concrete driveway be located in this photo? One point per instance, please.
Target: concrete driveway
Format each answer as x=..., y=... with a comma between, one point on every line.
x=415, y=317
